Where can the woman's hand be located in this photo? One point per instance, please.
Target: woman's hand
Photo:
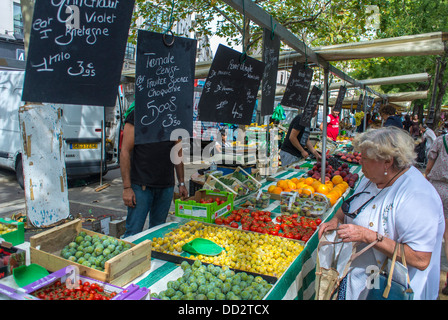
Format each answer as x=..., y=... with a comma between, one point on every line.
x=327, y=226
x=355, y=233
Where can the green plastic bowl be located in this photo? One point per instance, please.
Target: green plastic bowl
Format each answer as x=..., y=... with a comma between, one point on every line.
x=24, y=275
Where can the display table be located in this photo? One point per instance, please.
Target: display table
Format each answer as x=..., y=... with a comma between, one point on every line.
x=296, y=283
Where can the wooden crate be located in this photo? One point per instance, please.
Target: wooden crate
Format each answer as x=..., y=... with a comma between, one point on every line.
x=46, y=247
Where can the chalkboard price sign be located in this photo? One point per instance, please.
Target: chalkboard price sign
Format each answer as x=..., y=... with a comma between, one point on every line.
x=298, y=86
x=231, y=88
x=360, y=102
x=271, y=48
x=76, y=51
x=340, y=98
x=164, y=86
x=370, y=101
x=310, y=107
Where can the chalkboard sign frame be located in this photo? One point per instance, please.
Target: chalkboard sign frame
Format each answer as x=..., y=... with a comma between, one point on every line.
x=271, y=49
x=164, y=86
x=298, y=86
x=310, y=107
x=360, y=103
x=231, y=88
x=76, y=57
x=340, y=99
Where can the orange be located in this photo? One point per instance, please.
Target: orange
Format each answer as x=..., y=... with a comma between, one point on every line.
x=309, y=181
x=323, y=188
x=329, y=184
x=337, y=179
x=333, y=197
x=295, y=180
x=309, y=188
x=282, y=184
x=271, y=188
x=341, y=186
x=316, y=184
x=287, y=190
x=302, y=179
x=277, y=190
x=291, y=185
x=337, y=191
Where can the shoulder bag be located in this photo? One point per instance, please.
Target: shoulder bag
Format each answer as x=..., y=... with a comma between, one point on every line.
x=385, y=287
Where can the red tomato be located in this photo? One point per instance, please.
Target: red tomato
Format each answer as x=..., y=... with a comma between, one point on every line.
x=234, y=225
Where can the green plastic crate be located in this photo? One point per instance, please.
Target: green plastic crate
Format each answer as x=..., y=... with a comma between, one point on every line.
x=14, y=237
x=205, y=212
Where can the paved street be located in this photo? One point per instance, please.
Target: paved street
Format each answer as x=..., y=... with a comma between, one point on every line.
x=86, y=201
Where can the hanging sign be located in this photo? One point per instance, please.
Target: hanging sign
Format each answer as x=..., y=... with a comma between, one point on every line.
x=310, y=107
x=164, y=86
x=271, y=48
x=376, y=107
x=76, y=52
x=298, y=86
x=370, y=101
x=231, y=88
x=340, y=98
x=360, y=100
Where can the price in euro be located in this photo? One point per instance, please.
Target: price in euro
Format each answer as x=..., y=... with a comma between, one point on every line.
x=82, y=69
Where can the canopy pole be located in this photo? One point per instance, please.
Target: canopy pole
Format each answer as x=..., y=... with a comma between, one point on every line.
x=324, y=126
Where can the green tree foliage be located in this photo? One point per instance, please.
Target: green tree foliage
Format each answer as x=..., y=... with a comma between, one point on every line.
x=316, y=22
x=408, y=17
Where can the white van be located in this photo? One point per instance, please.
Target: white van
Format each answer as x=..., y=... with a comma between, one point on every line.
x=91, y=136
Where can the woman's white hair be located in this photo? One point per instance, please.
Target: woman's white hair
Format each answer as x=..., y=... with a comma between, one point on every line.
x=387, y=143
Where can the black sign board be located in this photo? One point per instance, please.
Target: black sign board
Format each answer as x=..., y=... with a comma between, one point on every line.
x=340, y=98
x=310, y=107
x=376, y=107
x=360, y=101
x=164, y=86
x=231, y=88
x=271, y=48
x=369, y=102
x=298, y=86
x=76, y=52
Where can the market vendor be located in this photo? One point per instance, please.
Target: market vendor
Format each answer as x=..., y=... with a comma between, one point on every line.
x=392, y=203
x=297, y=144
x=332, y=125
x=148, y=177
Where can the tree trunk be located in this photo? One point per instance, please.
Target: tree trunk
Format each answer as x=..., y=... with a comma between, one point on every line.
x=442, y=86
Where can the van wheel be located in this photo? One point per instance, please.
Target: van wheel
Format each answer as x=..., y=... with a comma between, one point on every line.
x=19, y=171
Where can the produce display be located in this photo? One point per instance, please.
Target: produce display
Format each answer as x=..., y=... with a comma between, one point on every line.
x=358, y=117
x=304, y=204
x=333, y=189
x=257, y=201
x=93, y=251
x=84, y=291
x=4, y=228
x=209, y=282
x=299, y=228
x=353, y=157
x=251, y=185
x=239, y=188
x=246, y=251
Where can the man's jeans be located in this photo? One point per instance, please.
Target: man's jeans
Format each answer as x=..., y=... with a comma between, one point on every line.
x=286, y=158
x=155, y=201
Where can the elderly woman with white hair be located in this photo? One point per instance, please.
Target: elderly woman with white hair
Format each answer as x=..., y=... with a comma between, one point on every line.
x=393, y=202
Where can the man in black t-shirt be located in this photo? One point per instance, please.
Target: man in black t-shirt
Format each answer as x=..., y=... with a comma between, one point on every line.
x=297, y=143
x=147, y=171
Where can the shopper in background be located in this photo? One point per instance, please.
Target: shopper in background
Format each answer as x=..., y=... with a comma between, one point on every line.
x=415, y=128
x=388, y=114
x=407, y=123
x=332, y=125
x=392, y=203
x=147, y=171
x=297, y=144
x=428, y=136
x=437, y=173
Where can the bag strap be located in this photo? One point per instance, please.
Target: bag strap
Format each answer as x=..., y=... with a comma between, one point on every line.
x=444, y=142
x=392, y=267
